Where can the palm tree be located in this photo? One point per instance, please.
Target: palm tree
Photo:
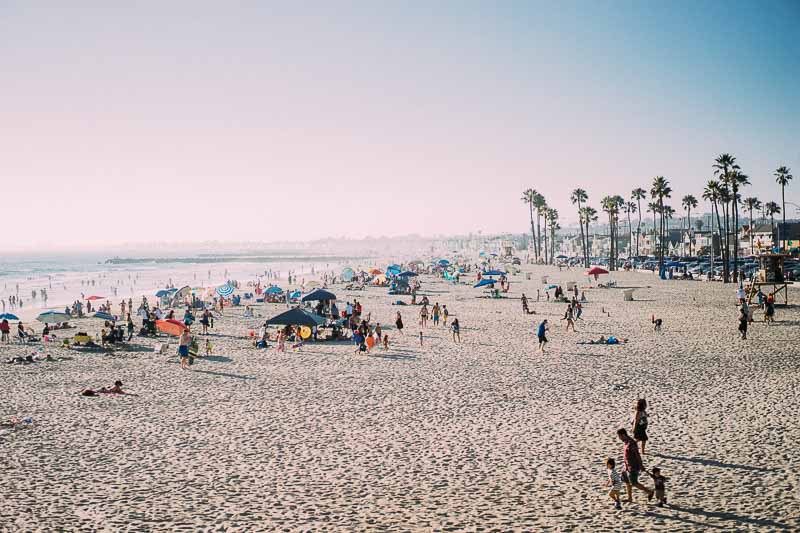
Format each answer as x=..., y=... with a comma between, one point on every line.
x=579, y=196
x=689, y=202
x=552, y=216
x=660, y=190
x=637, y=195
x=737, y=179
x=587, y=215
x=669, y=214
x=723, y=165
x=607, y=205
x=771, y=209
x=527, y=197
x=752, y=203
x=711, y=193
x=545, y=212
x=540, y=205
x=630, y=207
x=782, y=178
x=724, y=199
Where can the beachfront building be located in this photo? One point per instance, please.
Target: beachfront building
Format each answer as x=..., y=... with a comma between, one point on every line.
x=762, y=238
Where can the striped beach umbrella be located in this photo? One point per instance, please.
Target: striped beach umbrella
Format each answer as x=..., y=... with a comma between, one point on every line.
x=225, y=290
x=52, y=317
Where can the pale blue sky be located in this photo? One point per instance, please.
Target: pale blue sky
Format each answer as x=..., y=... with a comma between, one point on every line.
x=379, y=117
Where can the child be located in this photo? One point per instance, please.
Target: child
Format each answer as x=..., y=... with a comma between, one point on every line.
x=660, y=485
x=385, y=341
x=209, y=347
x=614, y=482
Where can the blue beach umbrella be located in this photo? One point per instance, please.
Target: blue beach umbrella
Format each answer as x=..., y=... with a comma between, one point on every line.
x=105, y=316
x=162, y=293
x=9, y=316
x=225, y=290
x=484, y=282
x=443, y=262
x=274, y=290
x=494, y=273
x=551, y=287
x=407, y=274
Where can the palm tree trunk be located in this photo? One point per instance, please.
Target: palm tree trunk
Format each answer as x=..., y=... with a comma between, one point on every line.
x=783, y=213
x=726, y=267
x=735, y=238
x=639, y=227
x=630, y=235
x=752, y=228
x=580, y=223
x=545, y=238
x=533, y=228
x=689, y=228
x=538, y=235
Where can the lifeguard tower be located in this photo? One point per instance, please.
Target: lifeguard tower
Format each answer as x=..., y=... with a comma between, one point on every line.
x=770, y=273
x=506, y=248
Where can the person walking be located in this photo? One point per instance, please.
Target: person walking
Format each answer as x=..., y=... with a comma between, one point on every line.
x=541, y=333
x=456, y=328
x=743, y=320
x=398, y=322
x=633, y=465
x=183, y=348
x=640, y=423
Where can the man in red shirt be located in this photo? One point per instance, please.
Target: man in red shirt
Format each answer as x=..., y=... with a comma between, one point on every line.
x=633, y=465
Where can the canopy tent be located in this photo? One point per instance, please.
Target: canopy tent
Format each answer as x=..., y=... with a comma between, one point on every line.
x=181, y=294
x=320, y=295
x=484, y=282
x=162, y=293
x=296, y=317
x=375, y=271
x=494, y=273
x=551, y=287
x=53, y=317
x=295, y=295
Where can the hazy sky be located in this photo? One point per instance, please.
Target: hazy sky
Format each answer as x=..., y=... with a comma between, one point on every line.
x=138, y=121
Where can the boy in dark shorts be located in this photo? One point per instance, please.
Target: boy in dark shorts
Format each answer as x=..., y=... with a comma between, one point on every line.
x=660, y=486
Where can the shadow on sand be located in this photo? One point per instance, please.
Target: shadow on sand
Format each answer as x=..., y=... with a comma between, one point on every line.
x=712, y=462
x=222, y=374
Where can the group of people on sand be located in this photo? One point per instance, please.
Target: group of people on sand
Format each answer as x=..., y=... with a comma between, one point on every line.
x=633, y=465
x=745, y=315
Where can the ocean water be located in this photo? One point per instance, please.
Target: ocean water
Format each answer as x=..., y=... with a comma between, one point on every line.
x=75, y=277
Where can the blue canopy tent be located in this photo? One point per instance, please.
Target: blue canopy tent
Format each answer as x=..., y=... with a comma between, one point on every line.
x=162, y=293
x=320, y=295
x=484, y=282
x=551, y=287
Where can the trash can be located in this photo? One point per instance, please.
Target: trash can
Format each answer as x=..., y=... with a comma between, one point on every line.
x=628, y=295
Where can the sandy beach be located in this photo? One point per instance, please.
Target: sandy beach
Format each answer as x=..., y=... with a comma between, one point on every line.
x=482, y=435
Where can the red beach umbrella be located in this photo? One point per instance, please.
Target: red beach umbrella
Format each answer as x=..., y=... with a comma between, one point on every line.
x=93, y=298
x=596, y=270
